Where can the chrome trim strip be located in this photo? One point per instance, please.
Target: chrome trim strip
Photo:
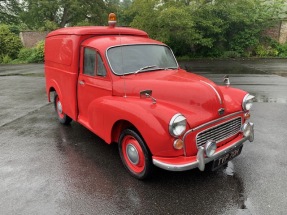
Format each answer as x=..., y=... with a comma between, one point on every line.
x=200, y=163
x=219, y=98
x=184, y=148
x=171, y=123
x=245, y=100
x=211, y=122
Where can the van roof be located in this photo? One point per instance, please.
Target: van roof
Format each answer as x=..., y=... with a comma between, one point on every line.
x=97, y=30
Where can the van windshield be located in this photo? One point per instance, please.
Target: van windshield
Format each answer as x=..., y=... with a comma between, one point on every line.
x=132, y=59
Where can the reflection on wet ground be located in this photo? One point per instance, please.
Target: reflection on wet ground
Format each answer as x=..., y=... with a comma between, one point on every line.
x=67, y=168
x=266, y=79
x=266, y=99
x=47, y=168
x=237, y=66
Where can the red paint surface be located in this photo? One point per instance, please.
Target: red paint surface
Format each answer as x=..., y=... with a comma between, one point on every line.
x=107, y=105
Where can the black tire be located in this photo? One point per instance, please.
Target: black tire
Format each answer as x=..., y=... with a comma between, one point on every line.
x=138, y=161
x=62, y=117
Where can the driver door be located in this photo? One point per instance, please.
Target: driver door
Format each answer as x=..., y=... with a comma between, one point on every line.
x=93, y=83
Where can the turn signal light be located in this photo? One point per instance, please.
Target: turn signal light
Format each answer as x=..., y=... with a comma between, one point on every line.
x=178, y=144
x=112, y=19
x=247, y=115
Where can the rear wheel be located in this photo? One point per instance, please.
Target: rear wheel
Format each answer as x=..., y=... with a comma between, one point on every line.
x=63, y=118
x=135, y=155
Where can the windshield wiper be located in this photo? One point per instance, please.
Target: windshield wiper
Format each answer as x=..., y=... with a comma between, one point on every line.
x=146, y=67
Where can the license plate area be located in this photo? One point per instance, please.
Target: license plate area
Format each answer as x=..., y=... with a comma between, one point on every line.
x=226, y=157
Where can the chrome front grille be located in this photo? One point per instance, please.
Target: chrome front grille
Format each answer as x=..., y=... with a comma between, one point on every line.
x=219, y=132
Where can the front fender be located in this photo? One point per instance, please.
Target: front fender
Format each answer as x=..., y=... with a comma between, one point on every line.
x=233, y=98
x=151, y=120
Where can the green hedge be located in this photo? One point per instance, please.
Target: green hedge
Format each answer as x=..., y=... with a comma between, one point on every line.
x=31, y=55
x=10, y=44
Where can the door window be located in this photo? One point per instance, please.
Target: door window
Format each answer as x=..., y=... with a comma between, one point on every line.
x=93, y=63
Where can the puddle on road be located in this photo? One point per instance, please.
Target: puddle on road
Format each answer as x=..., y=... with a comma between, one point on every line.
x=23, y=74
x=219, y=67
x=237, y=66
x=243, y=207
x=267, y=99
x=259, y=86
x=280, y=73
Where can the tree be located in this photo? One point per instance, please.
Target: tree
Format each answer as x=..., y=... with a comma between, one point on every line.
x=171, y=22
x=62, y=12
x=9, y=10
x=245, y=22
x=38, y=14
x=206, y=27
x=190, y=27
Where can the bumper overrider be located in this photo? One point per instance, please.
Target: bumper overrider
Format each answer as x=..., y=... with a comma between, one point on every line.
x=183, y=163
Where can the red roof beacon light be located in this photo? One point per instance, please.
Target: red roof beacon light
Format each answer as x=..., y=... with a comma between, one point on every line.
x=112, y=20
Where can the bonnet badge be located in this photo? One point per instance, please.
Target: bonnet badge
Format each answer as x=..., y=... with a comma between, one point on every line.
x=221, y=111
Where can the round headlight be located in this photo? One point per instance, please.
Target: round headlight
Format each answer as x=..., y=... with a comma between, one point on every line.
x=247, y=102
x=177, y=125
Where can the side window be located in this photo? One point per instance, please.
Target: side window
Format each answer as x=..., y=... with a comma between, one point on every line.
x=89, y=61
x=101, y=71
x=93, y=63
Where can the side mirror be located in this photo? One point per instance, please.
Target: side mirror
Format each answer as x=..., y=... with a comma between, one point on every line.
x=226, y=80
x=147, y=94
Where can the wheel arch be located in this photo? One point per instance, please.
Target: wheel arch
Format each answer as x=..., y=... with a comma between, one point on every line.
x=52, y=86
x=111, y=115
x=121, y=125
x=51, y=89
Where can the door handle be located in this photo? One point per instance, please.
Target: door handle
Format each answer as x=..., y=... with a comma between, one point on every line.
x=81, y=82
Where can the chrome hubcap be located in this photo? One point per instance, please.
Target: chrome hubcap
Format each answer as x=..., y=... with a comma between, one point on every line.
x=132, y=154
x=59, y=107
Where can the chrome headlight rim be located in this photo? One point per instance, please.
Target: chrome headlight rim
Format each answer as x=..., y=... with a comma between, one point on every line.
x=247, y=102
x=177, y=120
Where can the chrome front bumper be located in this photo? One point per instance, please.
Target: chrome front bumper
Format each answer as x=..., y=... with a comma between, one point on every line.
x=201, y=159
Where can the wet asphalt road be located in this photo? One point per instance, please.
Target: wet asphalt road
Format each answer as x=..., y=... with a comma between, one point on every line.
x=47, y=168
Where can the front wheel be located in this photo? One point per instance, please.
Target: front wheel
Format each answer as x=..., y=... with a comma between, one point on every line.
x=135, y=155
x=63, y=118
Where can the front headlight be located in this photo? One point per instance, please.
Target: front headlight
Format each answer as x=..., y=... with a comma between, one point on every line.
x=177, y=125
x=247, y=102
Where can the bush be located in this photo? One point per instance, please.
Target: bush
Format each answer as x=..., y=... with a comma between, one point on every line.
x=184, y=58
x=282, y=50
x=5, y=59
x=231, y=54
x=37, y=55
x=10, y=43
x=266, y=51
x=32, y=55
x=25, y=53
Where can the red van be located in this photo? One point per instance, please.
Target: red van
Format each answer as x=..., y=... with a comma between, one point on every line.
x=128, y=88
